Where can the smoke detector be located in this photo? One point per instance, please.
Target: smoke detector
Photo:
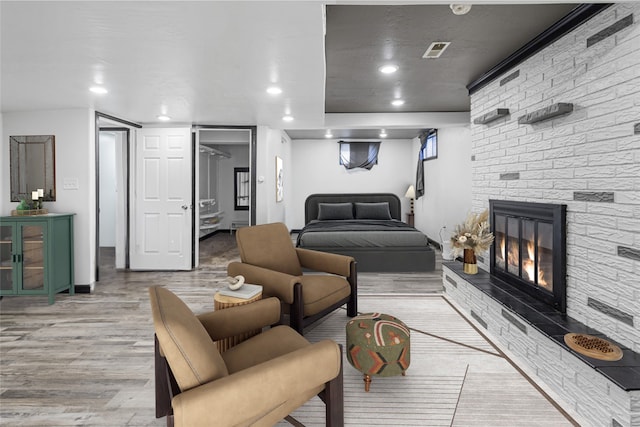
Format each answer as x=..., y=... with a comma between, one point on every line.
x=435, y=49
x=460, y=9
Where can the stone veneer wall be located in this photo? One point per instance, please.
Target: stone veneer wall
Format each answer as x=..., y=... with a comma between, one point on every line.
x=587, y=158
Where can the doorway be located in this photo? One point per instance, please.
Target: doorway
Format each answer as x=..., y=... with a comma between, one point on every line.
x=113, y=184
x=246, y=136
x=117, y=136
x=220, y=152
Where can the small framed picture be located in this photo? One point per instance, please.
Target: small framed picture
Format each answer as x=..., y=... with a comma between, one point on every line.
x=279, y=180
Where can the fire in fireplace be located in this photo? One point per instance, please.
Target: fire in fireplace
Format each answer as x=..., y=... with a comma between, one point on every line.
x=529, y=250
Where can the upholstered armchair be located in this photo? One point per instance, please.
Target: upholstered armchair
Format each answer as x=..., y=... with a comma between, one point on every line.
x=257, y=382
x=270, y=259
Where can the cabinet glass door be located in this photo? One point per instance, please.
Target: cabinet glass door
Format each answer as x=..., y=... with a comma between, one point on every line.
x=33, y=258
x=6, y=258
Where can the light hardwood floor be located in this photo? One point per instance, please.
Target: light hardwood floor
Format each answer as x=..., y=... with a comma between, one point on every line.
x=88, y=359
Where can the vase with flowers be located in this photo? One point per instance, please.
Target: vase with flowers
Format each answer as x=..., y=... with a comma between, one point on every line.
x=471, y=237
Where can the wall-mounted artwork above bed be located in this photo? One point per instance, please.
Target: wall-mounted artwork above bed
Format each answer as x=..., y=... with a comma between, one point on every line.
x=367, y=227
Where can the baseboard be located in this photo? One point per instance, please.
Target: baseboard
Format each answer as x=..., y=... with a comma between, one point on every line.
x=82, y=289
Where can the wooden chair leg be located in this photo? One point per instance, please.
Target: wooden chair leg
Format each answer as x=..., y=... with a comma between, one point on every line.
x=333, y=398
x=352, y=305
x=296, y=313
x=166, y=385
x=163, y=401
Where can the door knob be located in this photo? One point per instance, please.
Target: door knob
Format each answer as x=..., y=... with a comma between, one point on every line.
x=185, y=207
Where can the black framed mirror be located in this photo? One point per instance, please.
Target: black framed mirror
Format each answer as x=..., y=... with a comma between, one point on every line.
x=241, y=188
x=33, y=167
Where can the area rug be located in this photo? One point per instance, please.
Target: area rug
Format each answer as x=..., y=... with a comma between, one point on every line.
x=456, y=377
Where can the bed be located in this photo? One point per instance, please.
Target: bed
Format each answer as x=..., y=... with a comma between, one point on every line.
x=367, y=227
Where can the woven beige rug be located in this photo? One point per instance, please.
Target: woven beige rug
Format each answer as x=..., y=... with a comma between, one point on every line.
x=456, y=377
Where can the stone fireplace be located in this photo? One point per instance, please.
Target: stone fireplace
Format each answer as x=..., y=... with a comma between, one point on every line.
x=529, y=249
x=561, y=127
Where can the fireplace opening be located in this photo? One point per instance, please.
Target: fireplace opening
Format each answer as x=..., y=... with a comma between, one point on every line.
x=529, y=249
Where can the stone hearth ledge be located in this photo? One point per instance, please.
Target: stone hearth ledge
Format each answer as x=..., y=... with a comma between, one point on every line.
x=534, y=332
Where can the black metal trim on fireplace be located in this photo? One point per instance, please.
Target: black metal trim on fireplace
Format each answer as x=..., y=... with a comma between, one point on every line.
x=556, y=214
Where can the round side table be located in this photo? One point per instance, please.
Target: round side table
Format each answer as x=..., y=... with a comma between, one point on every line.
x=220, y=302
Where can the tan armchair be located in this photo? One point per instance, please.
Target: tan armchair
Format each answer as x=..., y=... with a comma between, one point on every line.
x=270, y=259
x=258, y=382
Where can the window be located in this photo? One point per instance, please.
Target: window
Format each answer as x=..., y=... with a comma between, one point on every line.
x=359, y=154
x=429, y=149
x=241, y=188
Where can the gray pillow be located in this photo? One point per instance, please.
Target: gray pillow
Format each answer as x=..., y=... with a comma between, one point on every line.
x=378, y=210
x=327, y=211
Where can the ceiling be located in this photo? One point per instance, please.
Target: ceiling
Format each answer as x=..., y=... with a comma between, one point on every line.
x=360, y=39
x=210, y=62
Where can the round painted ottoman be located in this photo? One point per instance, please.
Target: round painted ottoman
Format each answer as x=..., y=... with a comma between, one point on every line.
x=378, y=344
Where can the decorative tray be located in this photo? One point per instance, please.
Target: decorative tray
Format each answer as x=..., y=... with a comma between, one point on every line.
x=28, y=212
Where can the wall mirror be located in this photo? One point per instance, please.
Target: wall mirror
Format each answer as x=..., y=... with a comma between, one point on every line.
x=241, y=188
x=33, y=166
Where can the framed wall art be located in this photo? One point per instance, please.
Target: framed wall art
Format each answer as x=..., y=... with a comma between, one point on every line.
x=279, y=180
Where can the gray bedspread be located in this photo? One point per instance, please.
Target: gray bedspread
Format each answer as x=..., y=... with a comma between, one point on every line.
x=360, y=233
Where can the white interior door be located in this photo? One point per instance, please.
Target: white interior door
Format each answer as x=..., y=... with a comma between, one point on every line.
x=162, y=207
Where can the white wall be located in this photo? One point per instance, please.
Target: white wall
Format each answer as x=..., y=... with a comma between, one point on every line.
x=272, y=143
x=315, y=166
x=5, y=182
x=75, y=161
x=261, y=172
x=447, y=181
x=108, y=186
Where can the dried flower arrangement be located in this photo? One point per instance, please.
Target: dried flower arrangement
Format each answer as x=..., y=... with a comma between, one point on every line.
x=473, y=234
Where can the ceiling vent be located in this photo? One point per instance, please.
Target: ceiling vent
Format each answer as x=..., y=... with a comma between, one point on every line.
x=436, y=49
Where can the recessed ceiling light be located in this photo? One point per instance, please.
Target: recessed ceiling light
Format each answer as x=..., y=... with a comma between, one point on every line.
x=388, y=69
x=99, y=90
x=164, y=118
x=274, y=90
x=397, y=102
x=328, y=134
x=287, y=118
x=383, y=134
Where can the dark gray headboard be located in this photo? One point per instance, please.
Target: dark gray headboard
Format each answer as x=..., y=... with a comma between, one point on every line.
x=311, y=204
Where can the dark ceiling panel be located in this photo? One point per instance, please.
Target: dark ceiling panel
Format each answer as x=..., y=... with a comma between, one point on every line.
x=361, y=38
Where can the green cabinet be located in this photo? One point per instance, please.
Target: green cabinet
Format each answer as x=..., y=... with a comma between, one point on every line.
x=36, y=255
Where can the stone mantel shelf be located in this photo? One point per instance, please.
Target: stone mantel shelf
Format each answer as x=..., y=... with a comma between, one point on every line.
x=546, y=113
x=491, y=116
x=625, y=372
